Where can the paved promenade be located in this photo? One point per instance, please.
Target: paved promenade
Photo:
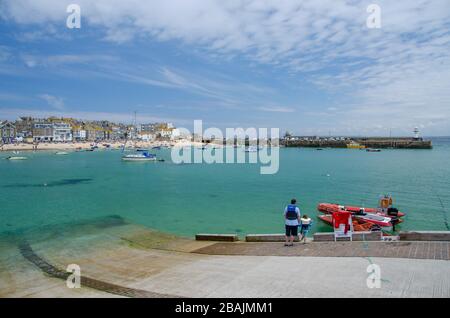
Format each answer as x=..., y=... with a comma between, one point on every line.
x=412, y=250
x=126, y=261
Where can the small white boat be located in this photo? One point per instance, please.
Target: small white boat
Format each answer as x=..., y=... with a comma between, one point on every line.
x=61, y=153
x=139, y=157
x=16, y=158
x=252, y=149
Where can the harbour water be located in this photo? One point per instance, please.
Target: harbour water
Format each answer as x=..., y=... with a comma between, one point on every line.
x=50, y=190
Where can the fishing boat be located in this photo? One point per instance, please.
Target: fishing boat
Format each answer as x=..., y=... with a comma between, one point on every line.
x=16, y=158
x=139, y=157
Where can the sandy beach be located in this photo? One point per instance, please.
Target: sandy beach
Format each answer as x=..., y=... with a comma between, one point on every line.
x=101, y=145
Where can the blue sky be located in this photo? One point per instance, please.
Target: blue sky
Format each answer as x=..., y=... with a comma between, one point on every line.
x=310, y=67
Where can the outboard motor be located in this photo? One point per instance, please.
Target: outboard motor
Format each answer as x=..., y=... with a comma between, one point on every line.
x=394, y=221
x=392, y=212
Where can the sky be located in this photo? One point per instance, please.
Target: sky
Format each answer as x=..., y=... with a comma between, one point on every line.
x=310, y=67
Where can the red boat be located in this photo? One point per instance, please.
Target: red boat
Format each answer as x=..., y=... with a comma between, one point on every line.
x=358, y=225
x=384, y=216
x=330, y=208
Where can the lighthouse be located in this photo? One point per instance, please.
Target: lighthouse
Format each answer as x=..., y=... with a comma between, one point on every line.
x=416, y=133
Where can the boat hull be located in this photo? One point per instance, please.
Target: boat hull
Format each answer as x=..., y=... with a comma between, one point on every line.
x=358, y=225
x=139, y=159
x=330, y=208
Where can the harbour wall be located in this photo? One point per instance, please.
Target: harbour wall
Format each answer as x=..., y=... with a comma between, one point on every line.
x=395, y=143
x=425, y=236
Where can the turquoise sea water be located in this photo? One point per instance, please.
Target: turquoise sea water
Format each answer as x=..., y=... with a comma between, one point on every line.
x=223, y=198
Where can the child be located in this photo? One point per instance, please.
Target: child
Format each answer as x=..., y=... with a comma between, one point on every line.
x=305, y=227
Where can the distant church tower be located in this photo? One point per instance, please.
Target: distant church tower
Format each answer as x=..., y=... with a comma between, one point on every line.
x=416, y=133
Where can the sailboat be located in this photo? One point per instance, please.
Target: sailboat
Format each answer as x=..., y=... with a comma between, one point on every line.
x=145, y=156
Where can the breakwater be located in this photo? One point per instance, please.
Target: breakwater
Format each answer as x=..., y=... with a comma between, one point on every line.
x=367, y=142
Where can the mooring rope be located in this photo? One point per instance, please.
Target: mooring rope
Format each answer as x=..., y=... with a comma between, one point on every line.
x=444, y=212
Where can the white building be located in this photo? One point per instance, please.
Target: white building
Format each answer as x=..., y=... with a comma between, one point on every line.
x=176, y=134
x=146, y=136
x=165, y=132
x=62, y=132
x=79, y=135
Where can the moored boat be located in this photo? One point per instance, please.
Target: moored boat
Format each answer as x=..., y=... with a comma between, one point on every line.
x=380, y=220
x=358, y=225
x=332, y=207
x=61, y=153
x=252, y=149
x=385, y=215
x=355, y=145
x=139, y=157
x=16, y=158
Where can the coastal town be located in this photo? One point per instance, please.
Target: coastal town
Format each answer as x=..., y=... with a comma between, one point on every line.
x=27, y=133
x=63, y=130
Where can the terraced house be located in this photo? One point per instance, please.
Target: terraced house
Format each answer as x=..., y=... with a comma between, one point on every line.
x=24, y=129
x=7, y=132
x=43, y=132
x=62, y=132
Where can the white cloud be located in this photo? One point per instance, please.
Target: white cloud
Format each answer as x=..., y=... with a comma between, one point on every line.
x=55, y=102
x=393, y=76
x=276, y=109
x=64, y=59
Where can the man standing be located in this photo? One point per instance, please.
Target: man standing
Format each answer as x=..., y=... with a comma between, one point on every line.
x=292, y=219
